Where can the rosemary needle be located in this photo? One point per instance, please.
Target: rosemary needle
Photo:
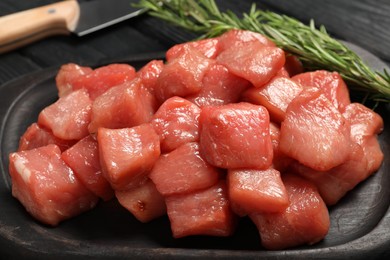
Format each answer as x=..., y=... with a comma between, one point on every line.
x=314, y=47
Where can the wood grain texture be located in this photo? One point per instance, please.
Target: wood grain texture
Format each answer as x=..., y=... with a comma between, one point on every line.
x=13, y=65
x=117, y=41
x=362, y=22
x=10, y=6
x=21, y=28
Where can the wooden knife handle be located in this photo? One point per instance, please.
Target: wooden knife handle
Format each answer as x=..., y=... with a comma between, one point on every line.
x=22, y=28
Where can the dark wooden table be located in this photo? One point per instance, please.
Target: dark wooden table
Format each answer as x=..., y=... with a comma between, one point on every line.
x=362, y=22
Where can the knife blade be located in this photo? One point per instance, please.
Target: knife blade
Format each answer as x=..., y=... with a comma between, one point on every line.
x=62, y=18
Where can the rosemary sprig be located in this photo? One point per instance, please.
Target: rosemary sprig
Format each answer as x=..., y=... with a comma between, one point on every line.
x=314, y=47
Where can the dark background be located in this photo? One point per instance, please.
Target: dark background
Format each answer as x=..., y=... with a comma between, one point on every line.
x=363, y=22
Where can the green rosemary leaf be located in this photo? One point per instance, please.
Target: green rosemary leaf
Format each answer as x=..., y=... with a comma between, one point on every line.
x=314, y=47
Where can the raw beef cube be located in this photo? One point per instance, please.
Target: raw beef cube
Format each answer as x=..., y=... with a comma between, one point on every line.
x=293, y=65
x=336, y=182
x=150, y=73
x=280, y=161
x=183, y=171
x=68, y=118
x=208, y=47
x=183, y=75
x=253, y=191
x=314, y=132
x=276, y=95
x=47, y=187
x=364, y=121
x=236, y=136
x=36, y=136
x=104, y=78
x=373, y=153
x=254, y=62
x=126, y=105
x=205, y=212
x=84, y=160
x=330, y=83
x=128, y=154
x=176, y=122
x=304, y=221
x=365, y=127
x=67, y=75
x=144, y=202
x=220, y=87
x=282, y=73
x=237, y=39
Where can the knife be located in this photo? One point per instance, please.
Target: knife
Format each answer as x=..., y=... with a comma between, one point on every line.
x=65, y=17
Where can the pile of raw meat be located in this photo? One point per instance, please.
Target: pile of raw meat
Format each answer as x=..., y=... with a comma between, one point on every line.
x=225, y=128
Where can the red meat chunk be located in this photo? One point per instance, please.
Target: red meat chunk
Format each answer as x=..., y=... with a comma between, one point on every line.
x=364, y=121
x=47, y=187
x=253, y=62
x=128, y=154
x=293, y=65
x=68, y=118
x=236, y=136
x=275, y=96
x=365, y=127
x=373, y=153
x=183, y=75
x=68, y=75
x=280, y=161
x=314, y=132
x=237, y=39
x=208, y=47
x=144, y=202
x=126, y=105
x=205, y=212
x=253, y=191
x=83, y=159
x=282, y=73
x=304, y=221
x=336, y=182
x=220, y=87
x=331, y=83
x=177, y=123
x=36, y=136
x=150, y=73
x=104, y=78
x=183, y=171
